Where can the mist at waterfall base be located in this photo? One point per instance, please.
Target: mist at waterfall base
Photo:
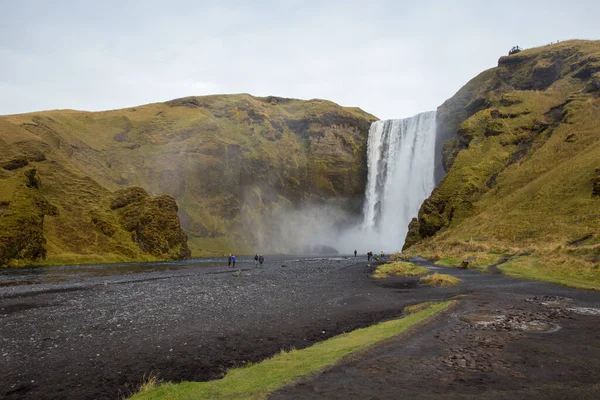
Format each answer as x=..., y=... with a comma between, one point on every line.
x=400, y=177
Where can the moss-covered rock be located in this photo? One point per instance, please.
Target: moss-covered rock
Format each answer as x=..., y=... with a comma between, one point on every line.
x=153, y=223
x=22, y=224
x=413, y=234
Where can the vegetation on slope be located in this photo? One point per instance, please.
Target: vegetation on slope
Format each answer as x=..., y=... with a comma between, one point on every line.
x=232, y=162
x=439, y=280
x=398, y=268
x=256, y=381
x=523, y=166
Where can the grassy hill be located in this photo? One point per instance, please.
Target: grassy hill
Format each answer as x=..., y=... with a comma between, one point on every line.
x=523, y=168
x=232, y=162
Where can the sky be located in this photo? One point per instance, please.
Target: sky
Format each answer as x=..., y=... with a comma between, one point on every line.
x=393, y=59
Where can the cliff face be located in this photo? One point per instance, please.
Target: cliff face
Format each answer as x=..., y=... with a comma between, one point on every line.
x=230, y=162
x=523, y=159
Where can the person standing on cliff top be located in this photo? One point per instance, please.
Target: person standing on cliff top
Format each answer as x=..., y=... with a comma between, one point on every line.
x=229, y=260
x=233, y=260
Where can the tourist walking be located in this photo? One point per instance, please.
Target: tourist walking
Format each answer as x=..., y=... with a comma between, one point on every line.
x=369, y=255
x=256, y=259
x=233, y=260
x=355, y=253
x=261, y=259
x=229, y=260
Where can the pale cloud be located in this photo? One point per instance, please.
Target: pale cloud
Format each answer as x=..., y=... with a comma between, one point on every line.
x=391, y=58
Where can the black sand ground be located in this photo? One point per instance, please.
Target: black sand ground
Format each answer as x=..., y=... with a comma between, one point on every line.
x=95, y=337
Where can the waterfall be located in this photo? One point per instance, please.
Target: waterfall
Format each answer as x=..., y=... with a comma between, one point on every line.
x=401, y=161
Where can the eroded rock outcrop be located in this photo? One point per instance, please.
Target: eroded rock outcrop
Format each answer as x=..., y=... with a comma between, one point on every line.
x=153, y=222
x=22, y=222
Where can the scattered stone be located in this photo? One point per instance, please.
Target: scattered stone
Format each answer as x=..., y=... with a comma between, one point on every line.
x=585, y=310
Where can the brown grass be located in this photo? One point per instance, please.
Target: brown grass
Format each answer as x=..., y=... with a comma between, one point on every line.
x=439, y=280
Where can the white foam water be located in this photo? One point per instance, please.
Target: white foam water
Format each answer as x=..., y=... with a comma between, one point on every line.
x=401, y=159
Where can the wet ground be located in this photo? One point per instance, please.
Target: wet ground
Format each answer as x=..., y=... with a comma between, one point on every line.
x=94, y=332
x=505, y=339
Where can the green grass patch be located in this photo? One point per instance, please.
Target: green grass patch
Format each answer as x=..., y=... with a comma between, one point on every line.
x=418, y=307
x=559, y=270
x=258, y=380
x=439, y=280
x=448, y=262
x=398, y=268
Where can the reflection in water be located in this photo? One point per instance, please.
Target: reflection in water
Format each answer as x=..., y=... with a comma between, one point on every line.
x=66, y=273
x=37, y=275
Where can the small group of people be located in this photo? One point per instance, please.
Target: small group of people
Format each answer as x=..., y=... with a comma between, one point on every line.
x=231, y=260
x=370, y=254
x=259, y=259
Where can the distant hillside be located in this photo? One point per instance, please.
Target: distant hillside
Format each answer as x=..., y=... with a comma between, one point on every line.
x=523, y=167
x=230, y=161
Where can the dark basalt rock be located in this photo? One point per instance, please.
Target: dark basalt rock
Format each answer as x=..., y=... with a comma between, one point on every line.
x=15, y=163
x=596, y=182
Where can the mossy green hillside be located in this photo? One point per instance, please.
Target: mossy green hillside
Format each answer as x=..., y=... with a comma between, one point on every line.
x=67, y=218
x=522, y=164
x=230, y=161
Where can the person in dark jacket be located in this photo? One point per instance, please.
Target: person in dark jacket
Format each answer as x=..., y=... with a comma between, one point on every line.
x=256, y=259
x=355, y=253
x=233, y=260
x=229, y=260
x=369, y=255
x=261, y=259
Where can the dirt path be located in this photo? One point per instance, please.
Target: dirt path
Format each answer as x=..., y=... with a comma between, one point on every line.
x=507, y=339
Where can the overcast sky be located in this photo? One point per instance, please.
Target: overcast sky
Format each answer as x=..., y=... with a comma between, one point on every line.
x=390, y=58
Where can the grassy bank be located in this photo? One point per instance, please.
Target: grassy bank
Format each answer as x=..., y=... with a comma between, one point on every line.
x=439, y=280
x=398, y=268
x=564, y=271
x=258, y=380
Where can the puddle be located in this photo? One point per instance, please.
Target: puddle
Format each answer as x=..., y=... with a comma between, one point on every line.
x=486, y=319
x=537, y=327
x=550, y=301
x=57, y=274
x=482, y=318
x=585, y=310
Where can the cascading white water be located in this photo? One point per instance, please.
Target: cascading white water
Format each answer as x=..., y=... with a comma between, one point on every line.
x=401, y=165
